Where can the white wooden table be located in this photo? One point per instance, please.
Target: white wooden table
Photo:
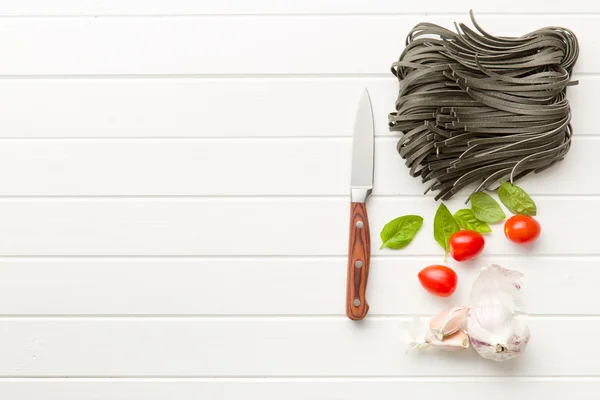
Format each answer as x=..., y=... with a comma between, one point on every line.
x=174, y=199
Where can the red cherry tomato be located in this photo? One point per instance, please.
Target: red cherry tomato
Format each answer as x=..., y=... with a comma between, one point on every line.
x=438, y=280
x=465, y=245
x=522, y=229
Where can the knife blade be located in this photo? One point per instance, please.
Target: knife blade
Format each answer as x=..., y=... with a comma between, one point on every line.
x=361, y=185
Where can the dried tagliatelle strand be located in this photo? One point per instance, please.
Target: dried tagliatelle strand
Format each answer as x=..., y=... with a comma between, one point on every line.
x=476, y=108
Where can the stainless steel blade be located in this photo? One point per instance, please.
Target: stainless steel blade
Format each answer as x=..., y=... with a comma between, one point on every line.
x=363, y=144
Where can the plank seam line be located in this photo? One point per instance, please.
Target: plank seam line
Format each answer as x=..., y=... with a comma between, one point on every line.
x=256, y=318
x=183, y=258
x=95, y=15
x=266, y=256
x=293, y=378
x=238, y=76
x=379, y=137
x=244, y=197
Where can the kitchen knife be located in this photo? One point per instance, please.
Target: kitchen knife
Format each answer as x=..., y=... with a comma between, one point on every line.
x=361, y=185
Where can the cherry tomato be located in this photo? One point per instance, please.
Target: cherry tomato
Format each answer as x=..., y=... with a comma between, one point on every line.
x=438, y=280
x=522, y=229
x=465, y=245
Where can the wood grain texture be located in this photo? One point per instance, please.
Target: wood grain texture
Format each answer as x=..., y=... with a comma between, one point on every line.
x=359, y=260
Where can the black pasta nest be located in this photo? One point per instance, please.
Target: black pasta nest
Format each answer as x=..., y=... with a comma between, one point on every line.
x=478, y=108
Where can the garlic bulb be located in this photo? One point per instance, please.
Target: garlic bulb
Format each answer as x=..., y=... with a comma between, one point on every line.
x=448, y=322
x=497, y=285
x=495, y=333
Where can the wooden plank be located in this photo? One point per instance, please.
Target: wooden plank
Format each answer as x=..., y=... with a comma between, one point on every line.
x=273, y=7
x=288, y=286
x=173, y=167
x=257, y=226
x=168, y=45
x=300, y=389
x=271, y=347
x=226, y=107
x=240, y=167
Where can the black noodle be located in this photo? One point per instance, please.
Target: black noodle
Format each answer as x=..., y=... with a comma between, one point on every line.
x=477, y=108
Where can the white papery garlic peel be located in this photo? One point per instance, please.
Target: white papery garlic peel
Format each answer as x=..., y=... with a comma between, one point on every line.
x=498, y=285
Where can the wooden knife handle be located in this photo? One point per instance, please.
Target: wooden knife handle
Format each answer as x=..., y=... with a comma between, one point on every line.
x=359, y=257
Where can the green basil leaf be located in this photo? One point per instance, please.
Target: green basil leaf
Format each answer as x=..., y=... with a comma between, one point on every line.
x=467, y=220
x=516, y=199
x=399, y=232
x=444, y=226
x=486, y=209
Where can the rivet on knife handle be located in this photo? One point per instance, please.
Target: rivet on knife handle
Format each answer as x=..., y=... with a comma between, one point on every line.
x=359, y=256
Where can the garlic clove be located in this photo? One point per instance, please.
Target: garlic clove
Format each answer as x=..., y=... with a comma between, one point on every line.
x=417, y=336
x=448, y=321
x=498, y=285
x=495, y=333
x=455, y=342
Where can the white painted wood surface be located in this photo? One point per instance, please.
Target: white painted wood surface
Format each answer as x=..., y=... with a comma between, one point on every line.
x=278, y=107
x=174, y=201
x=275, y=7
x=257, y=45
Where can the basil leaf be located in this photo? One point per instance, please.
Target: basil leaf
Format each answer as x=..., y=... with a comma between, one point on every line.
x=467, y=220
x=486, y=209
x=516, y=199
x=444, y=226
x=399, y=232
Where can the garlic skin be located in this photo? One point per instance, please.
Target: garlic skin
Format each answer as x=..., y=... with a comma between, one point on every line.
x=417, y=336
x=498, y=285
x=448, y=322
x=495, y=333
